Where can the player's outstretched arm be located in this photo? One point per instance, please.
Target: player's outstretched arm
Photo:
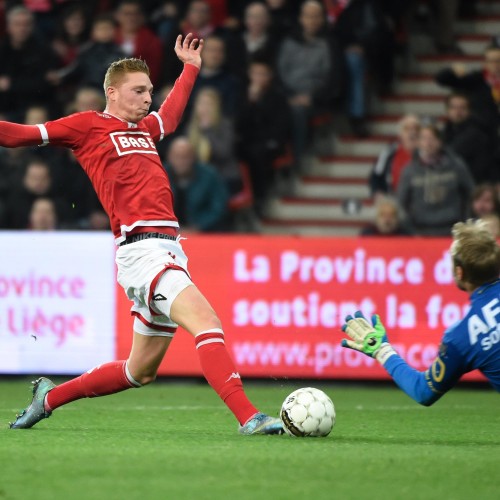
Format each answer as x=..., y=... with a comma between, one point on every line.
x=170, y=112
x=14, y=135
x=423, y=387
x=189, y=50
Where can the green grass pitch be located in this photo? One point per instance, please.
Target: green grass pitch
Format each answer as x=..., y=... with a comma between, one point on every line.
x=178, y=441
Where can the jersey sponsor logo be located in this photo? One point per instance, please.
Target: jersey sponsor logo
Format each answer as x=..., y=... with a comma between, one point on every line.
x=487, y=328
x=127, y=143
x=159, y=296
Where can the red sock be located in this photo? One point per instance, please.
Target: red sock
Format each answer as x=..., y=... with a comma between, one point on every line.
x=221, y=374
x=100, y=381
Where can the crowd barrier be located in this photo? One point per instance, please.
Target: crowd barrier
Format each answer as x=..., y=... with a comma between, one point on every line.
x=282, y=302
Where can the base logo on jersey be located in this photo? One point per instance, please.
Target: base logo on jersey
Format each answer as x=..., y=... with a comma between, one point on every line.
x=133, y=142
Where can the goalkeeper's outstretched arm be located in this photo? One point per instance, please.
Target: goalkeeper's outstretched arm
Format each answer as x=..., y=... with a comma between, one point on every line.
x=424, y=387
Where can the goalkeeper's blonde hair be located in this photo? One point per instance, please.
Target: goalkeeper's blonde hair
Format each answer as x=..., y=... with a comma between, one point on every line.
x=118, y=69
x=476, y=251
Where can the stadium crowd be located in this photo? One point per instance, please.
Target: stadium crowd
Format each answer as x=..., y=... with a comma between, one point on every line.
x=270, y=70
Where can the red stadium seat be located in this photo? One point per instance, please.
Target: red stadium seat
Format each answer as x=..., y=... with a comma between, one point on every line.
x=243, y=199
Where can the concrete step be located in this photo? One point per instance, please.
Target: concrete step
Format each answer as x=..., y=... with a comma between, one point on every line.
x=353, y=146
x=384, y=125
x=398, y=105
x=474, y=44
x=324, y=188
x=305, y=210
x=342, y=167
x=431, y=64
x=297, y=228
x=488, y=24
x=489, y=7
x=419, y=85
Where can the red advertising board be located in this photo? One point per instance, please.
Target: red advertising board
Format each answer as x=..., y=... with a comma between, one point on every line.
x=282, y=302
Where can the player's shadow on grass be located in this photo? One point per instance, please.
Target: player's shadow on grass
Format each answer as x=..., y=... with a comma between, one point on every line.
x=387, y=440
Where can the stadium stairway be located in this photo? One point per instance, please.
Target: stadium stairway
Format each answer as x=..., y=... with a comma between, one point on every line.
x=332, y=198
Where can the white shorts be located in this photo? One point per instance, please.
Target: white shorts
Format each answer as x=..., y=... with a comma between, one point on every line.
x=153, y=272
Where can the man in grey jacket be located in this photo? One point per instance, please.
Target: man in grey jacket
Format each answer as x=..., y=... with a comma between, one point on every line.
x=436, y=186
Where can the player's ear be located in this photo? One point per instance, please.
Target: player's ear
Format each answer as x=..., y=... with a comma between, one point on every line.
x=459, y=273
x=110, y=93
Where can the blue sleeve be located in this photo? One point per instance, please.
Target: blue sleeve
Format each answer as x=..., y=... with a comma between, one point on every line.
x=427, y=387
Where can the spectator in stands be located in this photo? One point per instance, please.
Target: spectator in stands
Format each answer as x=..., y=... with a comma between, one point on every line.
x=12, y=164
x=254, y=40
x=213, y=138
x=36, y=183
x=445, y=13
x=263, y=129
x=200, y=194
x=388, y=220
x=87, y=99
x=484, y=201
x=481, y=86
x=165, y=20
x=284, y=14
x=26, y=61
x=36, y=114
x=465, y=136
x=214, y=74
x=368, y=45
x=84, y=211
x=198, y=20
x=90, y=65
x=72, y=33
x=492, y=223
x=43, y=215
x=435, y=188
x=386, y=172
x=309, y=70
x=97, y=220
x=136, y=40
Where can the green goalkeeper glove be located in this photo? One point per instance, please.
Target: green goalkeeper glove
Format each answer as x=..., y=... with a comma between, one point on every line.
x=368, y=339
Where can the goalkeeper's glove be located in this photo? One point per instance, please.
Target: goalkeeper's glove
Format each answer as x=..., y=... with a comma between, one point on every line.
x=368, y=339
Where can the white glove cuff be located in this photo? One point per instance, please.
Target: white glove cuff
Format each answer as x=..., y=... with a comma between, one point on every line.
x=384, y=353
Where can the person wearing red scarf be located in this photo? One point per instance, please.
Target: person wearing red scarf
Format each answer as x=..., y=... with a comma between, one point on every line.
x=137, y=40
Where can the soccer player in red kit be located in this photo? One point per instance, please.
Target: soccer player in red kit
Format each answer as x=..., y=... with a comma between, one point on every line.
x=116, y=148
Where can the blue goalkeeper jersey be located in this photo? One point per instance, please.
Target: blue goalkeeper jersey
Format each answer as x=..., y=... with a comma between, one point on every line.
x=473, y=343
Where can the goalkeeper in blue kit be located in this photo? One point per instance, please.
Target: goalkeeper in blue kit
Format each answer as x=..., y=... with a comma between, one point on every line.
x=473, y=343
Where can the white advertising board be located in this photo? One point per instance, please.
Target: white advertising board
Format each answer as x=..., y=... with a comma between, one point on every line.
x=57, y=301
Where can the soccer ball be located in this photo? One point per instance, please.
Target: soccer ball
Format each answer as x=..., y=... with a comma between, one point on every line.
x=307, y=412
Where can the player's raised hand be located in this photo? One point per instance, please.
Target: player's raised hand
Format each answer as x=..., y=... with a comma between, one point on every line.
x=364, y=337
x=189, y=50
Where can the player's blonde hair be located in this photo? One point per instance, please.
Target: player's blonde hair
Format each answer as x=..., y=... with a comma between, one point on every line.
x=118, y=69
x=476, y=251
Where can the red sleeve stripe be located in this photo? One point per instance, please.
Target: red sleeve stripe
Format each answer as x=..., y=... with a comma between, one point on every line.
x=160, y=122
x=43, y=133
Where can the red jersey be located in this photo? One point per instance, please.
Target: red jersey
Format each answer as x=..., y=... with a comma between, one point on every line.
x=119, y=157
